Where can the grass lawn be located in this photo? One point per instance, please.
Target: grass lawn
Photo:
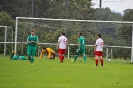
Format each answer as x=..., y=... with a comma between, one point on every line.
x=53, y=74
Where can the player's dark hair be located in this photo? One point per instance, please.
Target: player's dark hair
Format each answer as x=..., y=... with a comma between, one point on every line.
x=80, y=33
x=33, y=31
x=44, y=48
x=99, y=35
x=63, y=33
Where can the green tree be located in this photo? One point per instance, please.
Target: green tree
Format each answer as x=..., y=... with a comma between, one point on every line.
x=125, y=31
x=107, y=15
x=128, y=16
x=108, y=30
x=124, y=34
x=16, y=8
x=5, y=20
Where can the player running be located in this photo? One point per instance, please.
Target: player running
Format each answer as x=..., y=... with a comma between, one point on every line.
x=61, y=45
x=32, y=41
x=81, y=48
x=98, y=50
x=50, y=53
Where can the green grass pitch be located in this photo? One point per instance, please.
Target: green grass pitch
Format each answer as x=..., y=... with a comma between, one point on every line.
x=53, y=74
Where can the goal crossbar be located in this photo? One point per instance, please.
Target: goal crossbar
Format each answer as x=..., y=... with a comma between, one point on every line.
x=97, y=21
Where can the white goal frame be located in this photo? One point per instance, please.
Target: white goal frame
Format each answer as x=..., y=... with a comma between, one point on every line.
x=5, y=38
x=72, y=20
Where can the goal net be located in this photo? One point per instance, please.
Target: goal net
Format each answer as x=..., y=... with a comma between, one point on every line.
x=117, y=35
x=6, y=39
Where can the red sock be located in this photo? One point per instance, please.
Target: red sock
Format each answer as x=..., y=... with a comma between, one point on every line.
x=101, y=62
x=96, y=61
x=63, y=58
x=60, y=57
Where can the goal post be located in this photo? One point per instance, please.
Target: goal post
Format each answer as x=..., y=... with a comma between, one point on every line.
x=6, y=37
x=45, y=26
x=132, y=46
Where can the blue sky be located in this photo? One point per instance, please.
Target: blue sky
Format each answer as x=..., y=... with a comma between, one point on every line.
x=115, y=5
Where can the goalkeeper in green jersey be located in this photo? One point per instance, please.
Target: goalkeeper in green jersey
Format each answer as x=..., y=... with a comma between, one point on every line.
x=81, y=48
x=32, y=42
x=15, y=56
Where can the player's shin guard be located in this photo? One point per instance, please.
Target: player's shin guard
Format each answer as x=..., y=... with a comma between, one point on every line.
x=32, y=59
x=101, y=62
x=84, y=58
x=96, y=61
x=60, y=57
x=76, y=56
x=29, y=58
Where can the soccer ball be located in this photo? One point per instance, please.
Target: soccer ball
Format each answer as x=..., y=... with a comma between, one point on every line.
x=109, y=59
x=72, y=60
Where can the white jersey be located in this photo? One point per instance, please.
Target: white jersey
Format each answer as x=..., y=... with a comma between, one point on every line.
x=99, y=43
x=62, y=42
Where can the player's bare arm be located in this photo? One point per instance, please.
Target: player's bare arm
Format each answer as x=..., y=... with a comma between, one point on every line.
x=57, y=45
x=29, y=42
x=66, y=45
x=95, y=48
x=34, y=42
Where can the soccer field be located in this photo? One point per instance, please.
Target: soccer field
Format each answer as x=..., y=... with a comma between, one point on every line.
x=53, y=74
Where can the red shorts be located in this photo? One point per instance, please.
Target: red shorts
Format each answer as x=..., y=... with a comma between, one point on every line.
x=98, y=53
x=61, y=51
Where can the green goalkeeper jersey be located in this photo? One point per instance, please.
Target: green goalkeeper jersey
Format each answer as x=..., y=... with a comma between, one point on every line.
x=82, y=42
x=32, y=39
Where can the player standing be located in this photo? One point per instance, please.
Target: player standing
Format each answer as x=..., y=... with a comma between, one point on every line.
x=98, y=50
x=32, y=42
x=62, y=45
x=81, y=48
